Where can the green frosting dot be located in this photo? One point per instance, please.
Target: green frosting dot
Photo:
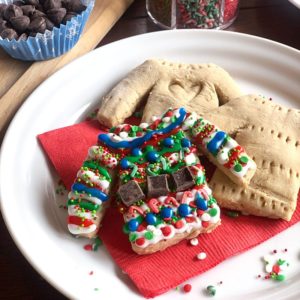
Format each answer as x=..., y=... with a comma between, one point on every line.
x=244, y=159
x=213, y=212
x=149, y=235
x=132, y=237
x=238, y=168
x=125, y=228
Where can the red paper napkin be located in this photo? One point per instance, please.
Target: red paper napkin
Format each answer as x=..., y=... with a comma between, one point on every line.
x=157, y=273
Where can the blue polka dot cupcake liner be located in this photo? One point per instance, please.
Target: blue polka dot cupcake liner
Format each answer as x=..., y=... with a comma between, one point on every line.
x=52, y=43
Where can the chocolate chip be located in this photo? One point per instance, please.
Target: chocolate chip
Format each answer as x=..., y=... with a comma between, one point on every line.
x=37, y=13
x=20, y=24
x=49, y=24
x=74, y=5
x=157, y=185
x=50, y=4
x=3, y=25
x=130, y=193
x=9, y=33
x=32, y=2
x=23, y=37
x=18, y=3
x=28, y=10
x=2, y=9
x=69, y=16
x=38, y=24
x=12, y=11
x=183, y=179
x=56, y=15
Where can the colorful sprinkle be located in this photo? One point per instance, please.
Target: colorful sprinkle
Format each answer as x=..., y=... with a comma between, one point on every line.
x=201, y=256
x=88, y=247
x=194, y=242
x=187, y=288
x=275, y=267
x=211, y=290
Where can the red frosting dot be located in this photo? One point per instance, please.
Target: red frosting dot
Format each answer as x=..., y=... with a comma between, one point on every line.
x=140, y=241
x=190, y=219
x=166, y=230
x=179, y=224
x=205, y=224
x=200, y=212
x=187, y=288
x=141, y=228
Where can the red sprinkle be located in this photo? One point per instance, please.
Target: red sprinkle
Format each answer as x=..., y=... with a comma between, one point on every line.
x=91, y=273
x=187, y=288
x=276, y=269
x=88, y=247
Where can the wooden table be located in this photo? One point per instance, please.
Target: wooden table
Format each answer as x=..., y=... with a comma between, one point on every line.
x=277, y=20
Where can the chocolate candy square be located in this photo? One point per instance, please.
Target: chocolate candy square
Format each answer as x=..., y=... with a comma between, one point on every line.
x=130, y=193
x=157, y=185
x=183, y=179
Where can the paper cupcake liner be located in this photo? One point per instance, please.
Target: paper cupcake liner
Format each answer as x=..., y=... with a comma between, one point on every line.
x=51, y=43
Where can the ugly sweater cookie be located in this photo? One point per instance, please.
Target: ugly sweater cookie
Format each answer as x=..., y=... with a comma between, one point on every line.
x=162, y=189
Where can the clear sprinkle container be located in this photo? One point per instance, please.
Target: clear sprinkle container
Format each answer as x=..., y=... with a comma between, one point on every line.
x=205, y=14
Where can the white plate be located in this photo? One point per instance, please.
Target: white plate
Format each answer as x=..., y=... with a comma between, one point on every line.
x=295, y=2
x=30, y=205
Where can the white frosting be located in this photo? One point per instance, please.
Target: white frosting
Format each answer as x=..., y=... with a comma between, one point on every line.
x=173, y=158
x=75, y=229
x=144, y=125
x=75, y=210
x=191, y=159
x=95, y=200
x=189, y=121
x=222, y=156
x=95, y=152
x=92, y=177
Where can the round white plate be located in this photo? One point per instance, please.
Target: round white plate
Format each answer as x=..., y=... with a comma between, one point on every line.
x=30, y=205
x=295, y=2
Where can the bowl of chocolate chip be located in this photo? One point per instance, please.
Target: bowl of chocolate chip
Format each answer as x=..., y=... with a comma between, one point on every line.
x=35, y=30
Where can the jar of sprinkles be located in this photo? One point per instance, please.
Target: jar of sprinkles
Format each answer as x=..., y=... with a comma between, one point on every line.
x=202, y=14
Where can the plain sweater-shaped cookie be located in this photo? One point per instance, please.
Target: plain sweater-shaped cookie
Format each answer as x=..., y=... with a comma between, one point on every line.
x=196, y=87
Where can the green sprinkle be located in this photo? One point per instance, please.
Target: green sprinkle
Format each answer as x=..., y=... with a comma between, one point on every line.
x=280, y=262
x=96, y=244
x=232, y=214
x=211, y=290
x=280, y=277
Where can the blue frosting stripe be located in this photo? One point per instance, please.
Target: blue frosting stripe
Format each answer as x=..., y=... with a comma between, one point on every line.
x=214, y=145
x=104, y=138
x=81, y=188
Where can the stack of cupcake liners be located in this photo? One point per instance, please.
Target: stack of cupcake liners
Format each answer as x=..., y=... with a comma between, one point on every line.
x=50, y=44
